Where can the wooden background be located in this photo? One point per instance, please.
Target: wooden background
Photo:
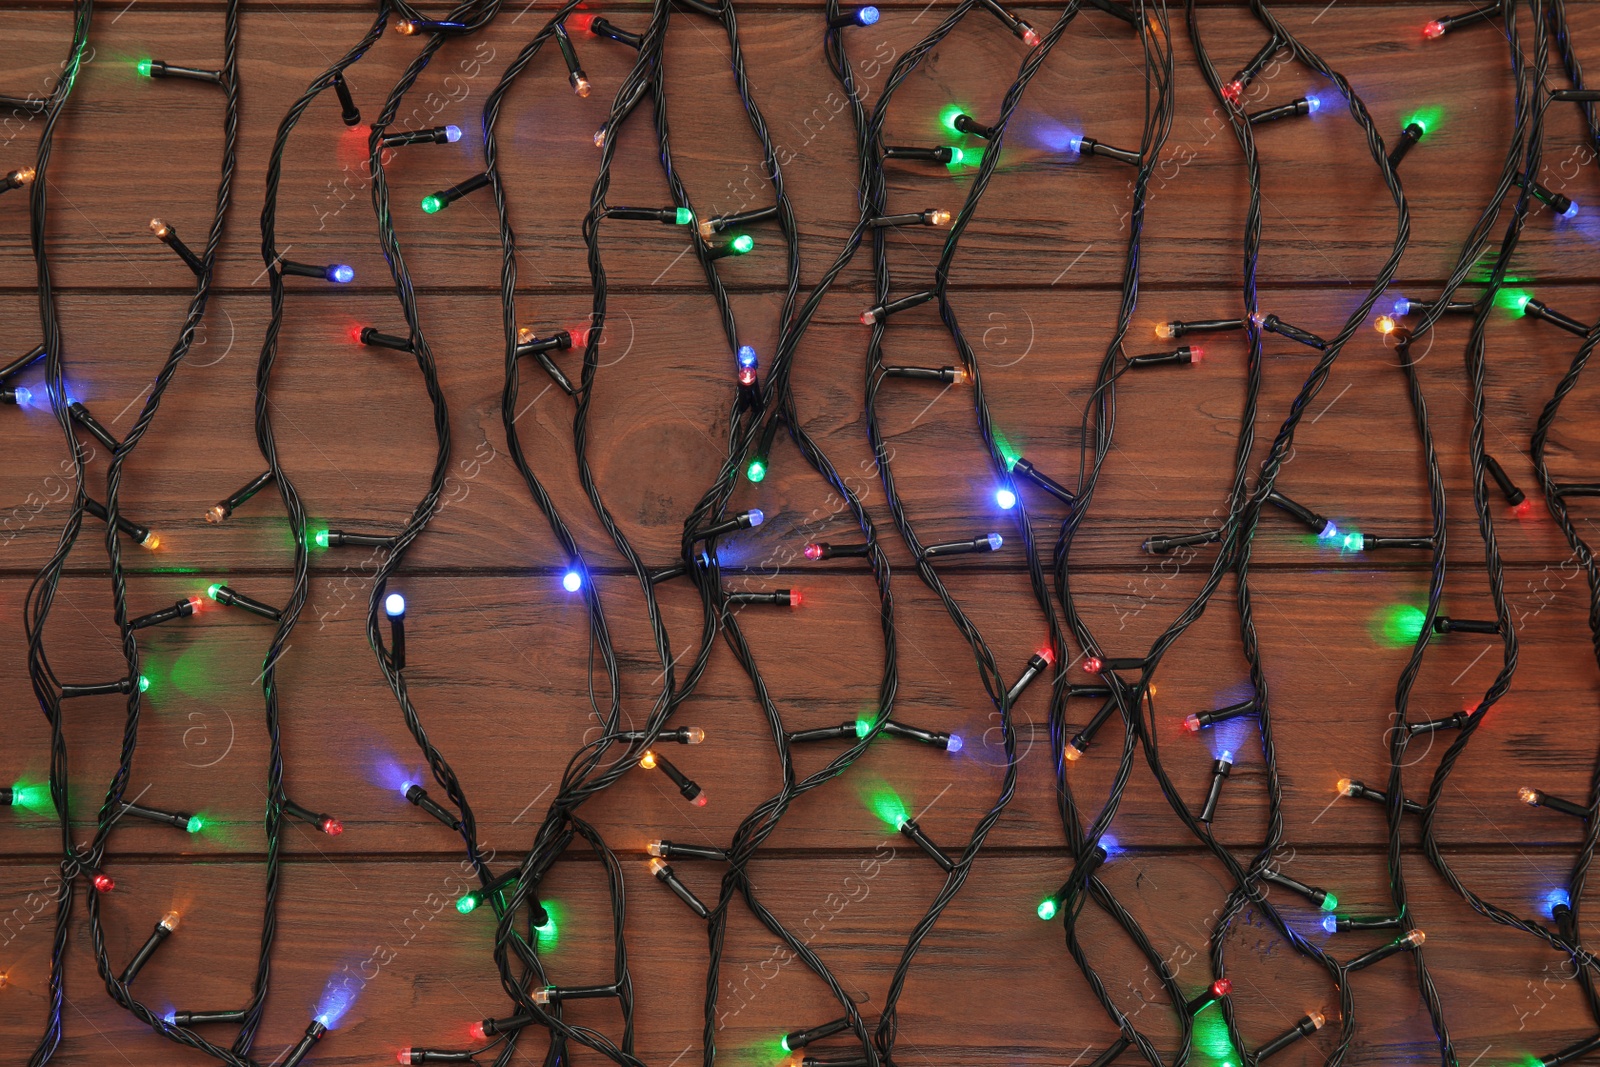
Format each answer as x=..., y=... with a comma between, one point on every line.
x=498, y=651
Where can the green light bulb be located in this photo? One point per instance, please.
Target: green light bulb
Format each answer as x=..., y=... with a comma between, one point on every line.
x=195, y=824
x=742, y=244
x=756, y=471
x=957, y=156
x=549, y=926
x=467, y=904
x=684, y=216
x=947, y=117
x=143, y=67
x=887, y=806
x=432, y=204
x=863, y=727
x=1330, y=902
x=211, y=590
x=321, y=538
x=144, y=683
x=1047, y=908
x=783, y=1042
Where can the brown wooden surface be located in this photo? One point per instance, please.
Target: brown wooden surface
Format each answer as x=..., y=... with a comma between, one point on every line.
x=498, y=653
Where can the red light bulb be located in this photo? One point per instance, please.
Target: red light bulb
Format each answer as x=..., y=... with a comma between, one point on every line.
x=332, y=827
x=813, y=551
x=354, y=333
x=747, y=376
x=700, y=800
x=1222, y=987
x=580, y=334
x=1524, y=509
x=196, y=603
x=1196, y=353
x=478, y=1032
x=794, y=598
x=1047, y=654
x=1094, y=664
x=1433, y=30
x=581, y=20
x=403, y=1056
x=103, y=883
x=1030, y=37
x=1231, y=91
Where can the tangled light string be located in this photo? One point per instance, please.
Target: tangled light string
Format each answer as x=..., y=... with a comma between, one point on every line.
x=759, y=410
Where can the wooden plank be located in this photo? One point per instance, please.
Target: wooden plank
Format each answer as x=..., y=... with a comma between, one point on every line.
x=1326, y=223
x=355, y=433
x=422, y=972
x=497, y=667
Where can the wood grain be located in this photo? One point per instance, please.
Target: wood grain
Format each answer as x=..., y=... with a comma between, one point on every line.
x=499, y=662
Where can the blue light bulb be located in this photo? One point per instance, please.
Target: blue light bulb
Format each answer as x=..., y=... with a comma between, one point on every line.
x=1005, y=498
x=24, y=396
x=954, y=744
x=995, y=541
x=1556, y=897
x=1076, y=144
x=1329, y=532
x=1313, y=104
x=1330, y=923
x=1109, y=843
x=572, y=581
x=395, y=605
x=341, y=273
x=452, y=134
x=756, y=518
x=405, y=787
x=867, y=15
x=1571, y=212
x=170, y=1018
x=747, y=356
x=1402, y=306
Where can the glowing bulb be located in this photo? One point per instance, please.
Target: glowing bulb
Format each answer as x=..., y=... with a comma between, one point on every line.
x=394, y=605
x=756, y=517
x=747, y=376
x=1555, y=898
x=478, y=1032
x=794, y=598
x=1075, y=143
x=1330, y=923
x=1529, y=796
x=1005, y=498
x=1313, y=104
x=321, y=538
x=939, y=217
x=1572, y=210
x=1192, y=723
x=452, y=134
x=1345, y=787
x=341, y=273
x=867, y=16
x=195, y=824
x=747, y=356
x=700, y=800
x=957, y=156
x=467, y=903
x=572, y=581
x=648, y=760
x=1030, y=37
x=1433, y=30
x=144, y=683
x=954, y=744
x=431, y=204
x=213, y=589
x=332, y=827
x=103, y=883
x=1402, y=306
x=1385, y=324
x=1354, y=542
x=693, y=735
x=742, y=244
x=756, y=471
x=1165, y=331
x=813, y=551
x=683, y=216
x=170, y=1018
x=169, y=921
x=784, y=1040
x=1330, y=902
x=1047, y=908
x=995, y=541
x=151, y=542
x=863, y=727
x=1094, y=664
x=144, y=67
x=23, y=395
x=1329, y=532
